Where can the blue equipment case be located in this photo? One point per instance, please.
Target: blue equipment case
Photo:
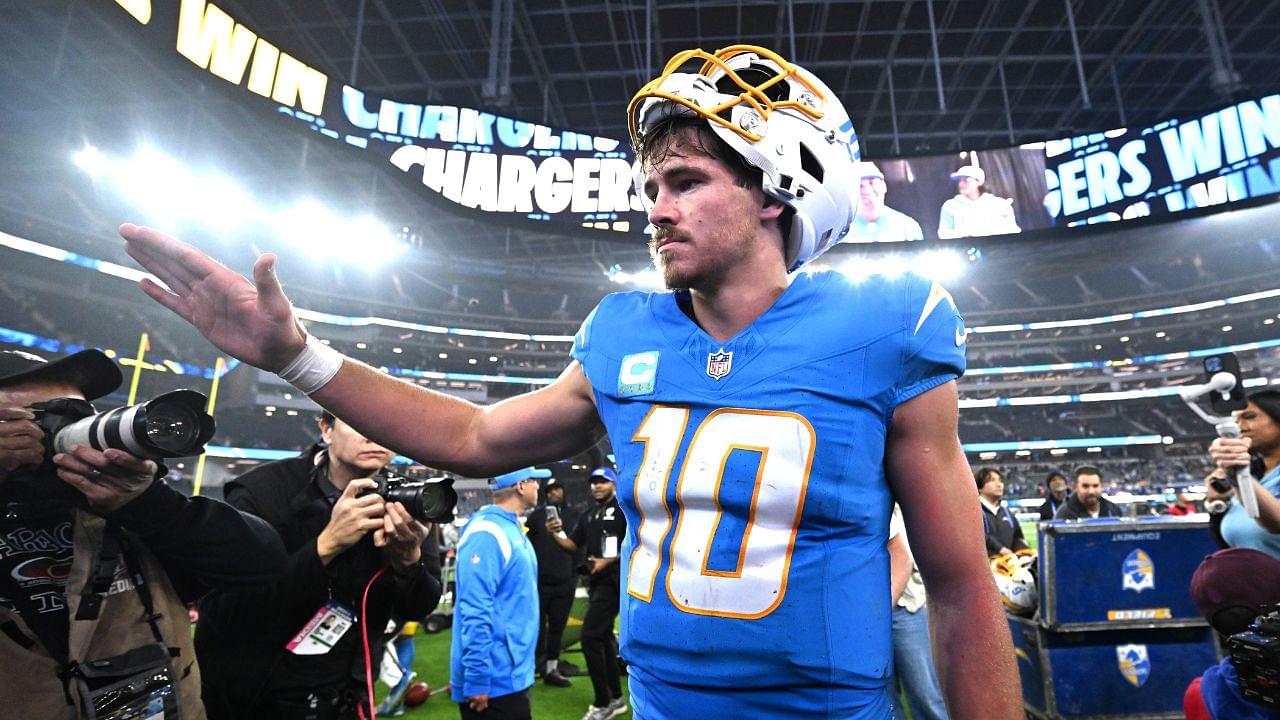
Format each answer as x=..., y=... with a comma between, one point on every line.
x=1099, y=574
x=1117, y=635
x=1119, y=673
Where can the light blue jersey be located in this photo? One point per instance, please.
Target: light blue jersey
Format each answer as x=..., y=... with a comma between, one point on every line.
x=891, y=226
x=751, y=472
x=1240, y=530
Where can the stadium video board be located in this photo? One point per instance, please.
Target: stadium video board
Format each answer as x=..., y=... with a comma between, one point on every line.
x=504, y=166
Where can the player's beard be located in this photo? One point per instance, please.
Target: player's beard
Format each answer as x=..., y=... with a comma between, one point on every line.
x=703, y=275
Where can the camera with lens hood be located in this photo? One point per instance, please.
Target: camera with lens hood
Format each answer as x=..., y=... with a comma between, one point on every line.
x=171, y=425
x=428, y=501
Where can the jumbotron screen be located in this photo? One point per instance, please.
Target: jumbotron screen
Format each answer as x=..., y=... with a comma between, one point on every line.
x=510, y=168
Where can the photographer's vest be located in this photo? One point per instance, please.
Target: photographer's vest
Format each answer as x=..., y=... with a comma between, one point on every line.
x=32, y=684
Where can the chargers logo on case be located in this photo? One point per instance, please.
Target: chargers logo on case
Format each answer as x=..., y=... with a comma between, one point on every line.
x=1135, y=666
x=1138, y=571
x=637, y=374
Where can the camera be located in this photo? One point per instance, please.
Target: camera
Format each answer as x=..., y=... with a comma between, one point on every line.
x=428, y=501
x=171, y=425
x=1255, y=653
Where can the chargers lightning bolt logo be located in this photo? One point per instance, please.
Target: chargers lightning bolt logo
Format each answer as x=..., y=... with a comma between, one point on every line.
x=938, y=294
x=1135, y=665
x=1138, y=571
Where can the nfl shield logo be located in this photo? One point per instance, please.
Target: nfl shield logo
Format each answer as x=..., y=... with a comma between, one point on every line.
x=719, y=364
x=1138, y=571
x=1134, y=664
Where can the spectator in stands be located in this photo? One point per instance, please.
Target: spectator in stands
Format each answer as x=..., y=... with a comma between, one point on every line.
x=974, y=211
x=1258, y=449
x=1055, y=485
x=556, y=581
x=264, y=658
x=875, y=221
x=912, y=655
x=1183, y=506
x=98, y=556
x=1086, y=499
x=1004, y=532
x=495, y=629
x=600, y=533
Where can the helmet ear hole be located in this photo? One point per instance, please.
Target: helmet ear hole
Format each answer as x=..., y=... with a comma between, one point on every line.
x=809, y=162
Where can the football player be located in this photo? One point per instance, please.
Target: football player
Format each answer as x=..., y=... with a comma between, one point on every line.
x=764, y=420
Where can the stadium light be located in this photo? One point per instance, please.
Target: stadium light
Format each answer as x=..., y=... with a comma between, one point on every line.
x=91, y=160
x=943, y=265
x=155, y=182
x=371, y=243
x=218, y=202
x=648, y=278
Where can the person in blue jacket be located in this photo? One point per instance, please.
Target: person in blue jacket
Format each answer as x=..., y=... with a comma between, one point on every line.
x=495, y=623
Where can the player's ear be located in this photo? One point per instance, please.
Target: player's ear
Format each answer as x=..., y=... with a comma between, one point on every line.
x=771, y=208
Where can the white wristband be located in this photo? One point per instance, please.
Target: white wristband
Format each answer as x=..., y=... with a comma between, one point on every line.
x=313, y=368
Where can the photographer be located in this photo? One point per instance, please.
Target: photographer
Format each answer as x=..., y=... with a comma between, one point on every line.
x=295, y=648
x=1258, y=449
x=98, y=558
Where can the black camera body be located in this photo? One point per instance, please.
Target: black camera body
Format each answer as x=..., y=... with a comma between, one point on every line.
x=428, y=501
x=1255, y=653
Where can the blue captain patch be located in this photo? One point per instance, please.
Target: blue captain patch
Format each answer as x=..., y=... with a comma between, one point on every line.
x=637, y=373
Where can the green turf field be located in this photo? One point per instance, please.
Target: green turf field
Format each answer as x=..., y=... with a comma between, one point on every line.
x=549, y=703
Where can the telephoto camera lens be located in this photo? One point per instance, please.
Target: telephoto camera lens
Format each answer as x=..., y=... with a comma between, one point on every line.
x=171, y=425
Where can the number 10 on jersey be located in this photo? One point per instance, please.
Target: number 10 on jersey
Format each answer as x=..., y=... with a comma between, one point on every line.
x=785, y=443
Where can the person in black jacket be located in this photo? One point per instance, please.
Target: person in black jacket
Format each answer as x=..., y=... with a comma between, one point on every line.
x=295, y=648
x=1055, y=495
x=556, y=582
x=599, y=534
x=1086, y=499
x=99, y=557
x=1004, y=532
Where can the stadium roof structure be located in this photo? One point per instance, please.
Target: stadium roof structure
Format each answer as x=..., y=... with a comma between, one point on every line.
x=918, y=77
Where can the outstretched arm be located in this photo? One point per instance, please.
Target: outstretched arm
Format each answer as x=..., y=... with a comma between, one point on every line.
x=254, y=321
x=933, y=485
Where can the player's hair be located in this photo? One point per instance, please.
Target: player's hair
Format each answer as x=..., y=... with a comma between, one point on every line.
x=1088, y=470
x=327, y=417
x=982, y=475
x=661, y=139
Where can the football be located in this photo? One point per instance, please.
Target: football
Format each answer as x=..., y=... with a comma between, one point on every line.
x=417, y=694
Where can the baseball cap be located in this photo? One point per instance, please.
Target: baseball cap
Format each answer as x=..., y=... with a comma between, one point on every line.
x=866, y=170
x=510, y=479
x=552, y=483
x=972, y=171
x=1231, y=587
x=91, y=371
x=606, y=474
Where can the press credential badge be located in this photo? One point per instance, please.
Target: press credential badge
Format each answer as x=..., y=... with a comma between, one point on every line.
x=323, y=630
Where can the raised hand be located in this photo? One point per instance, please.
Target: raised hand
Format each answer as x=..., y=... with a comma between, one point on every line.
x=253, y=322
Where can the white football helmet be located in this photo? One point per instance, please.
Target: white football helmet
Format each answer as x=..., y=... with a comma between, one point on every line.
x=1015, y=582
x=780, y=119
